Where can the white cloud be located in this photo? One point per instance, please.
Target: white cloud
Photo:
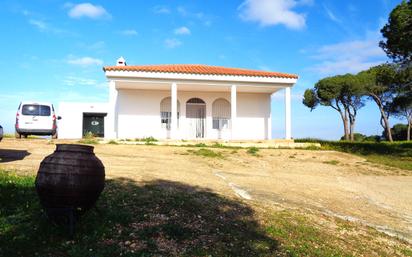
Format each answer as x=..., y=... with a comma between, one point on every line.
x=41, y=25
x=161, y=9
x=172, y=43
x=87, y=10
x=84, y=61
x=200, y=16
x=348, y=57
x=45, y=27
x=270, y=12
x=182, y=31
x=129, y=32
x=331, y=15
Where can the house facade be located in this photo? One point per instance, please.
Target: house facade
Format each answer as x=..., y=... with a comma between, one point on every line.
x=191, y=102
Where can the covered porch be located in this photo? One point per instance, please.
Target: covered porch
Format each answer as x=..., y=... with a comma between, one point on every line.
x=171, y=110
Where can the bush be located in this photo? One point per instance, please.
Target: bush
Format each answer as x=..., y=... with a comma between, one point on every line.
x=365, y=148
x=253, y=150
x=206, y=153
x=399, y=132
x=88, y=139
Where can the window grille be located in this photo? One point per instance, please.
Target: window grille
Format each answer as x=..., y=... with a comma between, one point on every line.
x=221, y=112
x=166, y=112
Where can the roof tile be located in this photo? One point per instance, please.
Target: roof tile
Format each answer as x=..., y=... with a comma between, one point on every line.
x=200, y=69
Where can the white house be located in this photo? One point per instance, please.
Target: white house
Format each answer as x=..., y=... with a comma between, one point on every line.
x=185, y=101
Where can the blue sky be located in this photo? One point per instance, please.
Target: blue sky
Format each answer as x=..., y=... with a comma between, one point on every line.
x=54, y=50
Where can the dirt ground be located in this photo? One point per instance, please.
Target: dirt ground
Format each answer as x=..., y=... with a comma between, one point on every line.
x=328, y=182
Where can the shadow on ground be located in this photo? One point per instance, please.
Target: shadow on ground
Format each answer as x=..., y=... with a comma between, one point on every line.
x=161, y=218
x=9, y=155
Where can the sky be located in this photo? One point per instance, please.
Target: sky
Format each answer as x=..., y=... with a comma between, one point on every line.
x=54, y=51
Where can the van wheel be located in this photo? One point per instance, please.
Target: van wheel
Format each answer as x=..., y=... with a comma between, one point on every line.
x=17, y=134
x=54, y=136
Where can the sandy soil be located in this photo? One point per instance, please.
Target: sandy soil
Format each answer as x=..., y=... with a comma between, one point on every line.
x=329, y=182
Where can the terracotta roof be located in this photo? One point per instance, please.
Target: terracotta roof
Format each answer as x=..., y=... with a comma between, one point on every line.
x=200, y=69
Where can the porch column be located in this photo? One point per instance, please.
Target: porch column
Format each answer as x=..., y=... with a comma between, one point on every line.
x=111, y=131
x=269, y=119
x=173, y=124
x=233, y=100
x=288, y=126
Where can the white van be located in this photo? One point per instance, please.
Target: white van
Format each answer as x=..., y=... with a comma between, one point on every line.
x=36, y=119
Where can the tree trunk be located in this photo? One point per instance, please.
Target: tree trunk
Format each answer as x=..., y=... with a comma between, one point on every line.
x=408, y=133
x=345, y=124
x=387, y=126
x=384, y=117
x=352, y=130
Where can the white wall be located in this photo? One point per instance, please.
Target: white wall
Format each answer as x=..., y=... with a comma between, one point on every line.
x=139, y=114
x=71, y=124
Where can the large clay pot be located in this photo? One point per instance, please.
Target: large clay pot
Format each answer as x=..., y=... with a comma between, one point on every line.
x=70, y=178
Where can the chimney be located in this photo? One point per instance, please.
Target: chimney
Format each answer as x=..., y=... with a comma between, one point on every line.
x=121, y=61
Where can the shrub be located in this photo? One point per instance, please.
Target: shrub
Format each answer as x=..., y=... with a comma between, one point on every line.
x=206, y=153
x=253, y=150
x=218, y=145
x=88, y=139
x=149, y=140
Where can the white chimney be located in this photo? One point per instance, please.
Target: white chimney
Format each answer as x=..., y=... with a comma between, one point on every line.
x=121, y=61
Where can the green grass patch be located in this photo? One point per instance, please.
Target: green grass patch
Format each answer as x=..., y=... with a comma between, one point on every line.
x=88, y=141
x=253, y=151
x=332, y=162
x=146, y=139
x=396, y=154
x=165, y=218
x=113, y=142
x=205, y=152
x=160, y=218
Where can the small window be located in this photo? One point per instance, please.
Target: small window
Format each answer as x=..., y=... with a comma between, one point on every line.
x=221, y=114
x=36, y=110
x=220, y=123
x=166, y=113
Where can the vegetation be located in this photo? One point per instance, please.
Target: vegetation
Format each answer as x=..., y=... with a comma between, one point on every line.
x=332, y=162
x=397, y=33
x=253, y=151
x=400, y=131
x=206, y=153
x=358, y=137
x=342, y=93
x=89, y=139
x=396, y=154
x=170, y=218
x=113, y=142
x=388, y=85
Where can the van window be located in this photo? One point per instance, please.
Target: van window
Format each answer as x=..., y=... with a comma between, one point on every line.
x=36, y=110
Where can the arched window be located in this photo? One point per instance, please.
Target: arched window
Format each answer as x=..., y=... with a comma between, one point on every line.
x=221, y=113
x=166, y=112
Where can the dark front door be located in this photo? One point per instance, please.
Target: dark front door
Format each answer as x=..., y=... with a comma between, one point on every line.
x=93, y=123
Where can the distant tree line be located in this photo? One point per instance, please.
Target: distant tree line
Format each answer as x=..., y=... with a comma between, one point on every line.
x=388, y=85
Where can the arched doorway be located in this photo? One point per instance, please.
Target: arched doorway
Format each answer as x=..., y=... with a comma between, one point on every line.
x=196, y=117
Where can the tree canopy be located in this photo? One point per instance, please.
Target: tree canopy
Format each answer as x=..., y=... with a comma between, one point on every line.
x=398, y=33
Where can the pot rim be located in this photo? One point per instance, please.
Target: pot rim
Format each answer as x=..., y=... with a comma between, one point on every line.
x=74, y=148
